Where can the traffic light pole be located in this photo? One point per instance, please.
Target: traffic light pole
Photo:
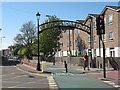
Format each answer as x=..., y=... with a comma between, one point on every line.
x=104, y=70
x=100, y=31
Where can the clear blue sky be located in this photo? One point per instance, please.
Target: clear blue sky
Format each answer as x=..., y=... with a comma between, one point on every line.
x=16, y=14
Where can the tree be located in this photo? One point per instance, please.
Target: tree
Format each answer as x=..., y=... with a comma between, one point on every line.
x=15, y=51
x=20, y=52
x=80, y=44
x=49, y=39
x=25, y=52
x=26, y=37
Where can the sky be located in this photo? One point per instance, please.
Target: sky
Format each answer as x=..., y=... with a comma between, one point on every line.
x=15, y=14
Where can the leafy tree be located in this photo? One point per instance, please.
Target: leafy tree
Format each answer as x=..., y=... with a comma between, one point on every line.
x=26, y=37
x=49, y=39
x=25, y=52
x=15, y=51
x=20, y=52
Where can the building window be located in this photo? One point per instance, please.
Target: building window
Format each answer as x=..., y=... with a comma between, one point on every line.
x=110, y=19
x=104, y=21
x=67, y=43
x=78, y=31
x=104, y=37
x=70, y=43
x=88, y=26
x=94, y=26
x=75, y=31
x=112, y=52
x=70, y=32
x=88, y=39
x=110, y=36
x=67, y=34
x=94, y=52
x=94, y=38
x=62, y=44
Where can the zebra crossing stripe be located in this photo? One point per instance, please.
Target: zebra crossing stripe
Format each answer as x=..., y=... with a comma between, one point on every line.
x=52, y=83
x=112, y=83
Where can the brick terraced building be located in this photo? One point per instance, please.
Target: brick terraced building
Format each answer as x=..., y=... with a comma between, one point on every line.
x=78, y=42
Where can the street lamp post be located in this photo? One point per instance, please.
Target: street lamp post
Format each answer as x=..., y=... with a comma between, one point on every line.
x=38, y=64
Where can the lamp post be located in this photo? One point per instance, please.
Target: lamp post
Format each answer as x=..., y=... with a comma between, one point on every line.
x=38, y=64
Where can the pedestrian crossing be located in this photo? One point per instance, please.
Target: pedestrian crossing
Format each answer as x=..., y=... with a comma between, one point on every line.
x=112, y=84
x=52, y=83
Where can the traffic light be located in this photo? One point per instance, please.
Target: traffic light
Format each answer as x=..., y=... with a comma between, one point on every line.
x=100, y=25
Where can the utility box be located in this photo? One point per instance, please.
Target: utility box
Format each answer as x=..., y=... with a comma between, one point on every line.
x=44, y=69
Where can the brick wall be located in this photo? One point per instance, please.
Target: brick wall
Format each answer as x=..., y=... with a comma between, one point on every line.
x=70, y=60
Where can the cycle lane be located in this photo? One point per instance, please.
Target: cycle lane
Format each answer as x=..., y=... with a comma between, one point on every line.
x=74, y=79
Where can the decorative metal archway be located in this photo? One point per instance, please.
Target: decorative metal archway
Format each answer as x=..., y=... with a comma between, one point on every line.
x=65, y=24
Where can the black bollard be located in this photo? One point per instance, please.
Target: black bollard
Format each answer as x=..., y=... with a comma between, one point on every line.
x=65, y=65
x=53, y=60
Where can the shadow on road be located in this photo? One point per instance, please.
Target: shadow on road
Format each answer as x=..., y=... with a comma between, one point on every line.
x=10, y=62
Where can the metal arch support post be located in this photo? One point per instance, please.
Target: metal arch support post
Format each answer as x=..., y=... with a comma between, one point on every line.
x=91, y=42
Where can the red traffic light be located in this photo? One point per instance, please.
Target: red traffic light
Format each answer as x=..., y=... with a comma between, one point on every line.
x=101, y=17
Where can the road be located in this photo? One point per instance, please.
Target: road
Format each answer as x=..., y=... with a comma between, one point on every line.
x=15, y=78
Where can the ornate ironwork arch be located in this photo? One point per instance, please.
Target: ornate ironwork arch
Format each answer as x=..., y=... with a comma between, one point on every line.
x=65, y=24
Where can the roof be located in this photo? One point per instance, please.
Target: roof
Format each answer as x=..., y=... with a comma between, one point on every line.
x=90, y=15
x=80, y=21
x=114, y=8
x=94, y=15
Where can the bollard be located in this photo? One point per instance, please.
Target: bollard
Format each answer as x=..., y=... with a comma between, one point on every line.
x=53, y=60
x=65, y=65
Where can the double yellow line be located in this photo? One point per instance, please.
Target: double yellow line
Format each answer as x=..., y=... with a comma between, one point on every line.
x=50, y=78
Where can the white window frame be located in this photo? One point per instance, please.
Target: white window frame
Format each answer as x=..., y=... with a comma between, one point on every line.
x=70, y=32
x=75, y=31
x=104, y=37
x=94, y=25
x=67, y=43
x=94, y=52
x=88, y=25
x=104, y=21
x=94, y=38
x=110, y=19
x=67, y=33
x=110, y=38
x=70, y=43
x=78, y=31
x=89, y=39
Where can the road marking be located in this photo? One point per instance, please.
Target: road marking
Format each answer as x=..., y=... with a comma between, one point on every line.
x=117, y=86
x=43, y=75
x=52, y=84
x=16, y=77
x=112, y=83
x=11, y=81
x=7, y=74
x=3, y=75
x=17, y=86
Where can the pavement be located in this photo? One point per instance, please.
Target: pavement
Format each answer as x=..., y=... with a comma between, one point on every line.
x=83, y=79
